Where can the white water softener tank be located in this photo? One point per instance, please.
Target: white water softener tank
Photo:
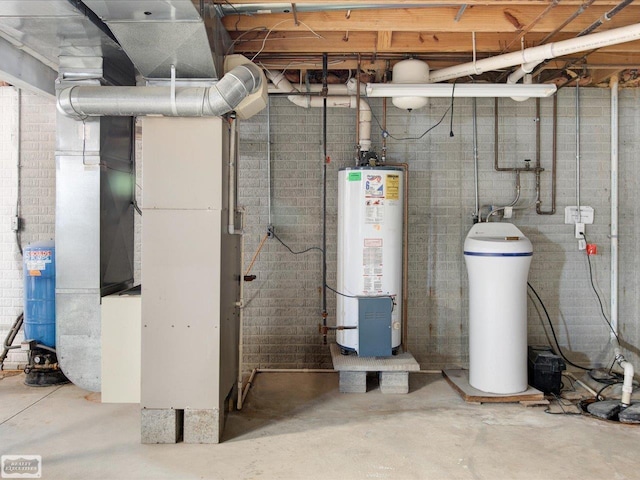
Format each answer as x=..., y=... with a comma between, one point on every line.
x=497, y=256
x=369, y=269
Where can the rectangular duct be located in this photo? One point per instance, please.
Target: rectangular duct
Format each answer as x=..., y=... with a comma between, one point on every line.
x=157, y=34
x=94, y=224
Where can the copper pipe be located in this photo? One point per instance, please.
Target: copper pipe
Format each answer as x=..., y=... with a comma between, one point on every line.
x=496, y=139
x=384, y=126
x=405, y=252
x=358, y=112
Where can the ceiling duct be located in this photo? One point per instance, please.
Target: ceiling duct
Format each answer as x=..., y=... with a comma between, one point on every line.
x=159, y=34
x=243, y=80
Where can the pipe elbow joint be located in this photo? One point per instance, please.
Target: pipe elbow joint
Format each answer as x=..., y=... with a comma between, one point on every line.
x=64, y=103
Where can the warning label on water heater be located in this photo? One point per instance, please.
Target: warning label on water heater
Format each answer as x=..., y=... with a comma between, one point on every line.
x=374, y=186
x=393, y=187
x=374, y=211
x=372, y=265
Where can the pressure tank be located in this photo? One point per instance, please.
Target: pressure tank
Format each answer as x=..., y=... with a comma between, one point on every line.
x=498, y=256
x=369, y=269
x=410, y=71
x=39, y=267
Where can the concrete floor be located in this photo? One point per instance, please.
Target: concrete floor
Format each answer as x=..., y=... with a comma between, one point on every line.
x=297, y=426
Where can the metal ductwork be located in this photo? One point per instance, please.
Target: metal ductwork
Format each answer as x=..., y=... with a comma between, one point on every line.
x=81, y=101
x=159, y=34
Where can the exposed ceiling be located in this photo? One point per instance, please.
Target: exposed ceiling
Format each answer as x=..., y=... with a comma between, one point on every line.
x=293, y=36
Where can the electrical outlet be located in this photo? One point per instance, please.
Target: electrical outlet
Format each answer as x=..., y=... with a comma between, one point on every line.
x=571, y=215
x=580, y=231
x=270, y=231
x=16, y=223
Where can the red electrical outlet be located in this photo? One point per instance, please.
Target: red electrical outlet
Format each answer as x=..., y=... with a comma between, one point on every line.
x=592, y=249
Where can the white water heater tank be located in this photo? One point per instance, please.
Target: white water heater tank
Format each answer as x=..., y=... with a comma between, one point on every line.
x=410, y=71
x=370, y=213
x=498, y=256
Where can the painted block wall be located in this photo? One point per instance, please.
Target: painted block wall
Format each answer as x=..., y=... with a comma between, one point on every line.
x=283, y=303
x=34, y=116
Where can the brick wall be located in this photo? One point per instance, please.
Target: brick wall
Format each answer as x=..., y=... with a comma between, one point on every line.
x=36, y=117
x=283, y=303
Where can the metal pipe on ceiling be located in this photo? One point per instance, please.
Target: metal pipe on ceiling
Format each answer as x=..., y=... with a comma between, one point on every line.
x=83, y=101
x=270, y=8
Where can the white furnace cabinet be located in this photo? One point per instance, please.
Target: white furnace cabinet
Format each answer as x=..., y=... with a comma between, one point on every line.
x=190, y=275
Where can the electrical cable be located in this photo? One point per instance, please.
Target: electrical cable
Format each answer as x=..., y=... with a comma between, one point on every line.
x=451, y=120
x=340, y=293
x=553, y=331
x=598, y=397
x=561, y=405
x=598, y=295
x=264, y=41
x=392, y=297
x=386, y=133
x=306, y=250
x=19, y=176
x=571, y=382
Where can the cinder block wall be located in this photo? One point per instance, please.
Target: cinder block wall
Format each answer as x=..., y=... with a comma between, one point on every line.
x=34, y=116
x=283, y=303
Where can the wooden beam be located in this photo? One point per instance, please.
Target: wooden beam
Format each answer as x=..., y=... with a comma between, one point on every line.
x=398, y=42
x=384, y=41
x=427, y=2
x=599, y=76
x=479, y=18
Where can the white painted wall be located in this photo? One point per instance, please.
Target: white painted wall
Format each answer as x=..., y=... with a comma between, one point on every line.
x=34, y=116
x=284, y=303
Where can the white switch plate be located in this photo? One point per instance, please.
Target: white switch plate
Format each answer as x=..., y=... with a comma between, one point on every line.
x=571, y=215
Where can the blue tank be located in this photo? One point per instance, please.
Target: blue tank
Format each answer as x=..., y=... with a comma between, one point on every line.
x=39, y=267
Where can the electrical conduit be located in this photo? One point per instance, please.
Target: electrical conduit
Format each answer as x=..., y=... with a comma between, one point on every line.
x=613, y=84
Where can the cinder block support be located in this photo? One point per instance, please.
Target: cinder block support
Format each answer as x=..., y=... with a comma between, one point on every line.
x=202, y=426
x=353, y=382
x=394, y=382
x=161, y=425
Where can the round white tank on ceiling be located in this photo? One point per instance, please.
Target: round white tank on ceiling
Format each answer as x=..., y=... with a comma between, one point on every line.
x=410, y=71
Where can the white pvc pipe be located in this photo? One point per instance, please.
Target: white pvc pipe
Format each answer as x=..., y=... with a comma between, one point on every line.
x=627, y=385
x=540, y=53
x=349, y=88
x=527, y=80
x=521, y=72
x=364, y=113
x=333, y=100
x=614, y=204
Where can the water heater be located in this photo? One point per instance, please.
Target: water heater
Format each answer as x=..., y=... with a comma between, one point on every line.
x=369, y=270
